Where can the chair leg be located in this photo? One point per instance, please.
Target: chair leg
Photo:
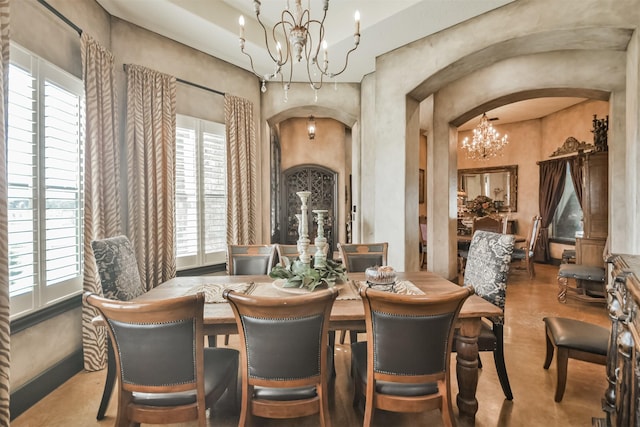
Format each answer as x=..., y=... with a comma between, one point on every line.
x=211, y=341
x=562, y=360
x=109, y=382
x=498, y=357
x=550, y=350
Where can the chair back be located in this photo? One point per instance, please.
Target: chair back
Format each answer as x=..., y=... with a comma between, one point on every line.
x=118, y=268
x=488, y=264
x=250, y=259
x=487, y=223
x=159, y=351
x=285, y=352
x=287, y=251
x=357, y=257
x=396, y=326
x=534, y=232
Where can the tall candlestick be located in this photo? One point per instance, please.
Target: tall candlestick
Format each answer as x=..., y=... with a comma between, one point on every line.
x=303, y=238
x=320, y=258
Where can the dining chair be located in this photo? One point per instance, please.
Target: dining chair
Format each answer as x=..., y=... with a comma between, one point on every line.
x=487, y=223
x=356, y=258
x=401, y=368
x=250, y=259
x=422, y=223
x=286, y=359
x=486, y=271
x=525, y=253
x=287, y=251
x=120, y=280
x=165, y=374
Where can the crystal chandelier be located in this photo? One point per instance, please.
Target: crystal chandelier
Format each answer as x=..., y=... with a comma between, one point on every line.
x=294, y=37
x=486, y=142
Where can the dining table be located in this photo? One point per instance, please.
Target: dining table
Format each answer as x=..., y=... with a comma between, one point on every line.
x=347, y=314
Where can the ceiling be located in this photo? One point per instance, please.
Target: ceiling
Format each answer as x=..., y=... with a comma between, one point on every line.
x=211, y=26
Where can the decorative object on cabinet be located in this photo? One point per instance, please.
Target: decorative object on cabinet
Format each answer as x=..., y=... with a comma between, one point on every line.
x=484, y=182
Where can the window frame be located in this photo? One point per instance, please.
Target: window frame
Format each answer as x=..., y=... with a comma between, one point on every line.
x=42, y=295
x=202, y=258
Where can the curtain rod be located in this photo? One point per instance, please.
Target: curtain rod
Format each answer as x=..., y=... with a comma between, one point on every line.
x=61, y=16
x=124, y=67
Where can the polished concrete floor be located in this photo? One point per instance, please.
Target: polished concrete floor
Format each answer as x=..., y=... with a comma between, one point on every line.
x=75, y=403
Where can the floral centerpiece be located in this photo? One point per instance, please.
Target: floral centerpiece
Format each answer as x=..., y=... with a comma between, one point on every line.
x=481, y=206
x=299, y=275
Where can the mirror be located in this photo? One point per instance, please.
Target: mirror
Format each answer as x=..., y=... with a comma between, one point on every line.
x=498, y=183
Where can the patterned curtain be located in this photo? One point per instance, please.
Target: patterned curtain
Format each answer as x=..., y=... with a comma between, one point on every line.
x=101, y=184
x=552, y=176
x=5, y=356
x=242, y=184
x=151, y=142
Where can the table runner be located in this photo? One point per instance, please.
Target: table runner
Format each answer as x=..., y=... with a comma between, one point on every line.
x=346, y=291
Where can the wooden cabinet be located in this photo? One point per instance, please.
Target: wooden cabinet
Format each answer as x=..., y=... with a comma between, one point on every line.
x=621, y=398
x=595, y=190
x=589, y=251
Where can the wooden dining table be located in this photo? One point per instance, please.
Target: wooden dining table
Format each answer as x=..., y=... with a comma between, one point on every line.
x=348, y=314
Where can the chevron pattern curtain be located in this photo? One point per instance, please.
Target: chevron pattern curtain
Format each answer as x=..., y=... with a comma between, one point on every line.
x=5, y=332
x=101, y=181
x=151, y=164
x=242, y=185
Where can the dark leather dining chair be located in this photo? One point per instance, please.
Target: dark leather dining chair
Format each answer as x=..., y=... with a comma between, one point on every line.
x=356, y=258
x=120, y=280
x=487, y=271
x=401, y=368
x=165, y=374
x=286, y=359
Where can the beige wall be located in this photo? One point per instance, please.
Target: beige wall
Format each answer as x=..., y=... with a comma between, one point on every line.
x=532, y=141
x=328, y=149
x=42, y=346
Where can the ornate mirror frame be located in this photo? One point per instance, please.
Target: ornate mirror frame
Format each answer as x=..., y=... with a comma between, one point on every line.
x=509, y=194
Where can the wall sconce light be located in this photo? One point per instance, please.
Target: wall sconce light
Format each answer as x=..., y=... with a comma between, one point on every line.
x=311, y=128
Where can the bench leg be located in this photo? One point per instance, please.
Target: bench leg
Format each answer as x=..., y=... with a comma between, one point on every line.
x=561, y=364
x=562, y=289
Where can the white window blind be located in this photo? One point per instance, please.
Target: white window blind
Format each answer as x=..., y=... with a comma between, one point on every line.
x=44, y=162
x=201, y=167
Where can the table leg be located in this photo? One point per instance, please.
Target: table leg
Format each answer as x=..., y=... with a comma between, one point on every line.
x=467, y=368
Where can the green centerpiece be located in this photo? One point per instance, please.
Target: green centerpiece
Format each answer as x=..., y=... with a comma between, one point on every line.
x=300, y=275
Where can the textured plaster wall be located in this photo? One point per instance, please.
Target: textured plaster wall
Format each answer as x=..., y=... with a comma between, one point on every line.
x=328, y=149
x=570, y=48
x=37, y=349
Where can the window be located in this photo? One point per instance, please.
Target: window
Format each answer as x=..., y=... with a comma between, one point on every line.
x=201, y=193
x=568, y=216
x=44, y=168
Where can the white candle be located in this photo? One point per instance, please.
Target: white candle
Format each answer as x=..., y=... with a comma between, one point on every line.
x=241, y=22
x=324, y=48
x=357, y=16
x=279, y=49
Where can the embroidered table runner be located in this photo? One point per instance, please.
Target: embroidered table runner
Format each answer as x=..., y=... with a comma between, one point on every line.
x=403, y=287
x=213, y=291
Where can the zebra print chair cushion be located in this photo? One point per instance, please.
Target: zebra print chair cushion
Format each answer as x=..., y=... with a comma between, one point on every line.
x=118, y=268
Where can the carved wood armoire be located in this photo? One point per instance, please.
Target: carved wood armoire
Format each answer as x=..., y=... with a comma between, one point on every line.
x=323, y=185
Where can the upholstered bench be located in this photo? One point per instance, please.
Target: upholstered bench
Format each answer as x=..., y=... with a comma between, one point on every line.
x=574, y=339
x=593, y=292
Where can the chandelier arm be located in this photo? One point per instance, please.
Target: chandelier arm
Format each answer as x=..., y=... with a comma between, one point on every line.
x=252, y=67
x=346, y=62
x=283, y=58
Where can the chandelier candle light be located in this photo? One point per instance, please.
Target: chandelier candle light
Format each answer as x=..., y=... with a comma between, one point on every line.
x=293, y=37
x=486, y=142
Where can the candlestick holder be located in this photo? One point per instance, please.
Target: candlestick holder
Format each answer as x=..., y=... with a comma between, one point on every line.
x=320, y=258
x=303, y=229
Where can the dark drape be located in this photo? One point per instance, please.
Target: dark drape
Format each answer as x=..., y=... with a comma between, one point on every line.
x=577, y=166
x=552, y=173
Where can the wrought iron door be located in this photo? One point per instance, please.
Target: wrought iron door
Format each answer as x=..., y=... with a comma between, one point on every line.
x=323, y=185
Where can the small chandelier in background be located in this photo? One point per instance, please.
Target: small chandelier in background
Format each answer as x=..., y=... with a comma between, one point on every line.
x=486, y=142
x=311, y=128
x=293, y=37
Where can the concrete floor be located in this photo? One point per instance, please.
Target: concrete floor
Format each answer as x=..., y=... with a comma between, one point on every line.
x=75, y=403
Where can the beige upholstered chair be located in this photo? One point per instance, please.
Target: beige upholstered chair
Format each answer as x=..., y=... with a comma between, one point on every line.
x=525, y=253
